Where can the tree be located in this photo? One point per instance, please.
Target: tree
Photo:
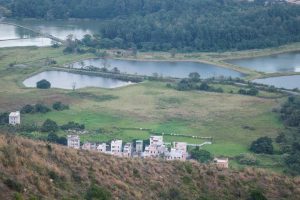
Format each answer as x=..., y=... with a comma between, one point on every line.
x=4, y=119
x=27, y=109
x=41, y=108
x=49, y=126
x=194, y=76
x=201, y=155
x=262, y=145
x=59, y=106
x=52, y=137
x=43, y=84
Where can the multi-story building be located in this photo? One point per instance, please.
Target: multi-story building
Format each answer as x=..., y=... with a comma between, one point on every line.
x=14, y=118
x=116, y=147
x=181, y=146
x=139, y=146
x=89, y=146
x=127, y=152
x=156, y=140
x=156, y=147
x=175, y=154
x=73, y=141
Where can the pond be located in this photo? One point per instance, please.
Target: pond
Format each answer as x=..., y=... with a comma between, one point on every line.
x=67, y=80
x=180, y=69
x=63, y=28
x=285, y=62
x=287, y=82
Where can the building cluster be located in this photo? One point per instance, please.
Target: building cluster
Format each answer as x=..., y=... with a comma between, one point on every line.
x=156, y=148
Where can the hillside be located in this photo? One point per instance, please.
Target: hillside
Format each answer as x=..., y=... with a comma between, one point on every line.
x=47, y=171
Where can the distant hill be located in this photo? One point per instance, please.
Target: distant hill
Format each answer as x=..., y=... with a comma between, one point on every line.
x=183, y=25
x=36, y=170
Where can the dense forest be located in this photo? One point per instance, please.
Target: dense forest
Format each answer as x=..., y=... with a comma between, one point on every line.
x=184, y=25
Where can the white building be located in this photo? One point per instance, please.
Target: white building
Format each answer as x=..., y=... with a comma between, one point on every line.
x=101, y=147
x=89, y=146
x=156, y=140
x=156, y=147
x=127, y=152
x=181, y=146
x=116, y=147
x=14, y=118
x=175, y=154
x=73, y=141
x=139, y=146
x=221, y=163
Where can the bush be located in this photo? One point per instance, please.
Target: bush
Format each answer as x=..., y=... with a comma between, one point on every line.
x=262, y=145
x=246, y=159
x=40, y=108
x=27, y=109
x=4, y=118
x=14, y=185
x=59, y=106
x=257, y=195
x=49, y=126
x=43, y=84
x=73, y=125
x=201, y=155
x=96, y=192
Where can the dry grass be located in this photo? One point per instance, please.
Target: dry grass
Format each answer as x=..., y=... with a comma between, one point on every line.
x=55, y=172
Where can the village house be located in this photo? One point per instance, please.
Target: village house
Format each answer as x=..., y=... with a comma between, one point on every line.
x=101, y=147
x=156, y=147
x=127, y=152
x=221, y=163
x=175, y=154
x=73, y=141
x=182, y=147
x=89, y=146
x=139, y=146
x=116, y=147
x=14, y=118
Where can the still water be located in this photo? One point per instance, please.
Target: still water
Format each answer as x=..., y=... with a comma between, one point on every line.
x=164, y=68
x=287, y=82
x=285, y=62
x=66, y=80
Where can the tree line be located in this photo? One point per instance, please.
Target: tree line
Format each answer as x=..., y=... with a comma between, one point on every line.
x=183, y=25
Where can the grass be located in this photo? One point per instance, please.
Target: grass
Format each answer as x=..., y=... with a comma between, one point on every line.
x=222, y=116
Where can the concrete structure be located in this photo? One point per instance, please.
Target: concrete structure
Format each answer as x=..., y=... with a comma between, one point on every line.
x=73, y=141
x=175, y=154
x=156, y=140
x=101, y=147
x=139, y=146
x=14, y=118
x=89, y=146
x=182, y=147
x=221, y=163
x=116, y=147
x=127, y=152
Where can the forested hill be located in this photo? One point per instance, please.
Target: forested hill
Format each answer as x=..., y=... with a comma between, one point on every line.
x=186, y=25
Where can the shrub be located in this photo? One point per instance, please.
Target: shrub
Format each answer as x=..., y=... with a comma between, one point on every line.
x=49, y=126
x=43, y=84
x=14, y=185
x=262, y=145
x=201, y=155
x=41, y=108
x=73, y=125
x=27, y=109
x=246, y=159
x=59, y=106
x=96, y=192
x=4, y=119
x=257, y=195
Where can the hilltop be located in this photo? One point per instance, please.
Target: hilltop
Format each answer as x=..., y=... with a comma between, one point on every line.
x=37, y=170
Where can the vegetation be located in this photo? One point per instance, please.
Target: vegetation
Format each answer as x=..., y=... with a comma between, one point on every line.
x=4, y=118
x=37, y=108
x=72, y=126
x=59, y=106
x=200, y=155
x=262, y=145
x=76, y=174
x=49, y=126
x=168, y=25
x=43, y=84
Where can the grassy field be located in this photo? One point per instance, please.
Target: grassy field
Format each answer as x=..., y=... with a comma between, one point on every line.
x=232, y=120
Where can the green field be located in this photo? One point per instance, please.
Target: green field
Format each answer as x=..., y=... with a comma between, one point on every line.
x=232, y=120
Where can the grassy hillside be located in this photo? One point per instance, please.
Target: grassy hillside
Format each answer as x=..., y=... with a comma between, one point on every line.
x=37, y=170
